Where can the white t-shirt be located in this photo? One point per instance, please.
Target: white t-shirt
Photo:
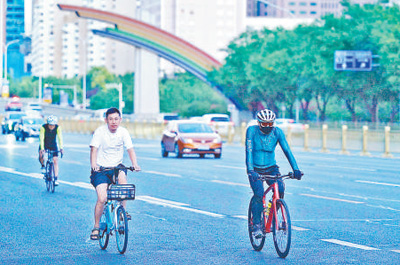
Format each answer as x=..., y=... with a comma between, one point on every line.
x=110, y=145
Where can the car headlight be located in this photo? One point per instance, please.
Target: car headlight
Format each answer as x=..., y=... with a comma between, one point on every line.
x=217, y=140
x=187, y=140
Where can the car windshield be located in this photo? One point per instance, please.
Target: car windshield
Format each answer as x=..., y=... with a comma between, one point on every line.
x=194, y=128
x=219, y=119
x=33, y=121
x=16, y=116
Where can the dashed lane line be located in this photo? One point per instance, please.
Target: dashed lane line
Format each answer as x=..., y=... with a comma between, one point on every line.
x=330, y=198
x=396, y=250
x=378, y=183
x=162, y=173
x=348, y=244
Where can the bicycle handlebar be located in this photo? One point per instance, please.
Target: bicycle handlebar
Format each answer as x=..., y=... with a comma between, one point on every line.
x=119, y=167
x=290, y=175
x=52, y=152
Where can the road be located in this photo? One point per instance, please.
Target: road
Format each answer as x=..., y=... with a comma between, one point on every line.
x=193, y=211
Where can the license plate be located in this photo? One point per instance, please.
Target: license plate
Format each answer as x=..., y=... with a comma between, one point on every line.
x=203, y=147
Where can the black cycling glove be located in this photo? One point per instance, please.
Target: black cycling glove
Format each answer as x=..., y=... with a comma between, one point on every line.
x=253, y=176
x=297, y=174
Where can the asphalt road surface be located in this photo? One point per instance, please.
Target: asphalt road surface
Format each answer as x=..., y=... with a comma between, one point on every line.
x=193, y=211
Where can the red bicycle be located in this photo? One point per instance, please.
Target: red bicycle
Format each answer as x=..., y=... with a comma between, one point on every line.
x=275, y=218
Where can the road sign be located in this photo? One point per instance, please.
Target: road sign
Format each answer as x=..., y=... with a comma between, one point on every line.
x=353, y=61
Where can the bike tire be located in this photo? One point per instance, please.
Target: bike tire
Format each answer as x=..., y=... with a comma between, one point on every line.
x=121, y=232
x=257, y=243
x=46, y=177
x=52, y=178
x=104, y=234
x=282, y=237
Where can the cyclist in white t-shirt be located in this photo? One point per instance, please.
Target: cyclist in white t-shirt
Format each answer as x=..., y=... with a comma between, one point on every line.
x=107, y=150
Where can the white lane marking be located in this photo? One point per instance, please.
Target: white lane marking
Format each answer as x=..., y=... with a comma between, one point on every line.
x=244, y=217
x=230, y=183
x=378, y=183
x=352, y=168
x=396, y=250
x=148, y=158
x=11, y=146
x=299, y=228
x=345, y=220
x=165, y=203
x=230, y=167
x=150, y=198
x=78, y=184
x=162, y=173
x=348, y=244
x=383, y=207
x=330, y=198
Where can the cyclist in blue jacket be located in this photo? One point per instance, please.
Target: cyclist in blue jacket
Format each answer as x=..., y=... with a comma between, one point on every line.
x=261, y=141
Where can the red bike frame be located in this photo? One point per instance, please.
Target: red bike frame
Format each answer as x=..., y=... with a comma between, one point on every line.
x=272, y=211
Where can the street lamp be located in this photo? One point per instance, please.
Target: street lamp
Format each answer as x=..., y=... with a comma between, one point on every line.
x=5, y=88
x=276, y=7
x=119, y=88
x=5, y=57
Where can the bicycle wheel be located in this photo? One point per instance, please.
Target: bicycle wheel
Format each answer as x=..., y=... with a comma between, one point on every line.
x=282, y=236
x=51, y=178
x=121, y=230
x=257, y=243
x=104, y=236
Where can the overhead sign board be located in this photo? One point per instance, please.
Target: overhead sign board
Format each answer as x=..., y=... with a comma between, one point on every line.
x=353, y=61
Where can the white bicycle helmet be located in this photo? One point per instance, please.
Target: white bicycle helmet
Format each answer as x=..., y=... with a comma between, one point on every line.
x=266, y=115
x=52, y=120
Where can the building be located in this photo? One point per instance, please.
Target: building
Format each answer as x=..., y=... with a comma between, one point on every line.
x=297, y=8
x=14, y=31
x=64, y=46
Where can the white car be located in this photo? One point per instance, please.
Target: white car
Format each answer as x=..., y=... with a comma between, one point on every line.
x=220, y=123
x=284, y=124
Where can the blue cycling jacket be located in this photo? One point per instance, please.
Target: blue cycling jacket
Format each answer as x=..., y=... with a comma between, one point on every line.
x=260, y=148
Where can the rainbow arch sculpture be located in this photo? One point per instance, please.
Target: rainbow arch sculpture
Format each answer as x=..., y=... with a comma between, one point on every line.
x=143, y=35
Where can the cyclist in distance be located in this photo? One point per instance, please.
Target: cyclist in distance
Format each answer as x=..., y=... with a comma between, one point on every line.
x=49, y=134
x=107, y=150
x=261, y=141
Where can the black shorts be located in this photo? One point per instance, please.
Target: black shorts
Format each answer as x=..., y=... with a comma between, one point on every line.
x=107, y=176
x=56, y=151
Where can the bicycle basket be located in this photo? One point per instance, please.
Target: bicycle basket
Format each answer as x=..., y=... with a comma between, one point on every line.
x=121, y=192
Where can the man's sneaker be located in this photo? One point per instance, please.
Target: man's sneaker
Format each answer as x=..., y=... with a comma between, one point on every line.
x=257, y=231
x=43, y=169
x=56, y=181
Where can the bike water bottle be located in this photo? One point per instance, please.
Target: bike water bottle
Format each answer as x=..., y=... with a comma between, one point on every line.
x=269, y=207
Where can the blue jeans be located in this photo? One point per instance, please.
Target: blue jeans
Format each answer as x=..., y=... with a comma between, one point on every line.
x=258, y=190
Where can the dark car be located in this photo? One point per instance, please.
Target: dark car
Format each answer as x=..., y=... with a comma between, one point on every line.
x=10, y=119
x=190, y=137
x=28, y=127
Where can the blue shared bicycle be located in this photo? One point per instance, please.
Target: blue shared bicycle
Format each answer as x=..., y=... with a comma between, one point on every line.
x=114, y=219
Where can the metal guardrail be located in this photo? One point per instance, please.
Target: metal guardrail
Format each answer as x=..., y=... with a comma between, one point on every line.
x=322, y=139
